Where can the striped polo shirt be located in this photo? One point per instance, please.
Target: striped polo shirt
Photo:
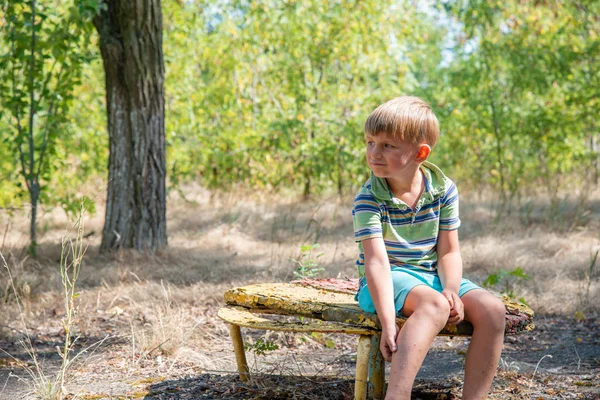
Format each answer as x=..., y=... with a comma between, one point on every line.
x=410, y=236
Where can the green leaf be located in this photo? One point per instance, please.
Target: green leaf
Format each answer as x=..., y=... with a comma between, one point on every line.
x=522, y=300
x=491, y=280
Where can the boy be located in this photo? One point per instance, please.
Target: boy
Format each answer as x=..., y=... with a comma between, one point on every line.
x=405, y=221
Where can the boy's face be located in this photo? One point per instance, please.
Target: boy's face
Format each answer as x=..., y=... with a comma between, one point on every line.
x=391, y=158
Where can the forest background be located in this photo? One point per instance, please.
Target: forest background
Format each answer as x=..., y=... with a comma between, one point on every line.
x=265, y=103
x=273, y=95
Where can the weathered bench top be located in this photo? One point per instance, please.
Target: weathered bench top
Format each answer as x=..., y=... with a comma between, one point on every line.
x=244, y=317
x=333, y=300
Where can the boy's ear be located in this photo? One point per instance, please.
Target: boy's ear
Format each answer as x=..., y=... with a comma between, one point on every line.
x=424, y=152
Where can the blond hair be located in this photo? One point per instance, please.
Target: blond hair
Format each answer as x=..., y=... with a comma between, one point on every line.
x=406, y=118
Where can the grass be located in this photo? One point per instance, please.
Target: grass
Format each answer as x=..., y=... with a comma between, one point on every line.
x=44, y=384
x=161, y=310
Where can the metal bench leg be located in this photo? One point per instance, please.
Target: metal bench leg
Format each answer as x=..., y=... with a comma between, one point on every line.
x=240, y=355
x=362, y=367
x=376, y=369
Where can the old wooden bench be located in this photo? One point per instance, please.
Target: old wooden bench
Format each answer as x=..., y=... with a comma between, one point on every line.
x=328, y=305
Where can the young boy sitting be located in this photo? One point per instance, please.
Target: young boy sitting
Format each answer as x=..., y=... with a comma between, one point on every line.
x=406, y=221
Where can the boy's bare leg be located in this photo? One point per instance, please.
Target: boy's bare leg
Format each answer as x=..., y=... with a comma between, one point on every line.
x=428, y=312
x=487, y=314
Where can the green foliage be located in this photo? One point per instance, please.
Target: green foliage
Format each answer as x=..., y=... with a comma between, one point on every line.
x=521, y=104
x=278, y=91
x=507, y=280
x=261, y=347
x=271, y=95
x=307, y=262
x=43, y=48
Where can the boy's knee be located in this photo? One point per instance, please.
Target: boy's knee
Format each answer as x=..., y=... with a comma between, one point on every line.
x=498, y=314
x=495, y=314
x=437, y=308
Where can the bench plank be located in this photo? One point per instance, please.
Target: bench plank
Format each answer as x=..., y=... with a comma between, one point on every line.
x=244, y=317
x=336, y=306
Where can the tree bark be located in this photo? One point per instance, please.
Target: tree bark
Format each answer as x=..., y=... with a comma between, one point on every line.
x=131, y=46
x=34, y=188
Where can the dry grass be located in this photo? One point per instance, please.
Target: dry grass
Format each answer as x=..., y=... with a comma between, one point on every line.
x=161, y=309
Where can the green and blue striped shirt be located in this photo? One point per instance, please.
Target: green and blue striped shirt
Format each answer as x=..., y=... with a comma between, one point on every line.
x=410, y=236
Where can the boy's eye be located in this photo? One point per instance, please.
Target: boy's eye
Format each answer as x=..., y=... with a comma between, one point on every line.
x=389, y=146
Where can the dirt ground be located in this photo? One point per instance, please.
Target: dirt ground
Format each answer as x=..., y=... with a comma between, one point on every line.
x=560, y=359
x=148, y=329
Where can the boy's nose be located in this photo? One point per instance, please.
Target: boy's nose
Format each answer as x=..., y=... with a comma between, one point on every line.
x=376, y=153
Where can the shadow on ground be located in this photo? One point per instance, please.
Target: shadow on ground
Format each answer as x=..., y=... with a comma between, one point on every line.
x=209, y=386
x=526, y=371
x=573, y=372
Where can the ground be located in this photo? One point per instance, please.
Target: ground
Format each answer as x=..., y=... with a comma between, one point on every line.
x=147, y=324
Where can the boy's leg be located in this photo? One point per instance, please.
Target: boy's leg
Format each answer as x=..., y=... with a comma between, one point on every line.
x=487, y=314
x=427, y=312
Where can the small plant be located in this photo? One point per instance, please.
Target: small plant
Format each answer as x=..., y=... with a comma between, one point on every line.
x=322, y=339
x=47, y=387
x=508, y=280
x=579, y=316
x=261, y=347
x=538, y=364
x=307, y=263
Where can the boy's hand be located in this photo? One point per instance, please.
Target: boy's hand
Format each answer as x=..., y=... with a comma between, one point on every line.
x=457, y=309
x=388, y=342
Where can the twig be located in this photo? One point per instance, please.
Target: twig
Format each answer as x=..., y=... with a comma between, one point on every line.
x=590, y=275
x=156, y=347
x=4, y=237
x=578, y=358
x=538, y=364
x=6, y=382
x=173, y=364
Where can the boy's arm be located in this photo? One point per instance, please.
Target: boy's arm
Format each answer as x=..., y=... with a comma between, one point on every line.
x=450, y=272
x=379, y=280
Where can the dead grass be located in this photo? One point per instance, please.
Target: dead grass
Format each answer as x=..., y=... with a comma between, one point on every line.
x=161, y=309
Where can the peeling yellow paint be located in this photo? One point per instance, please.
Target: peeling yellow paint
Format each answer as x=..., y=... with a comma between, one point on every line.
x=515, y=308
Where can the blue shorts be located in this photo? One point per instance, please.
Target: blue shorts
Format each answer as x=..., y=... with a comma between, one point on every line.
x=405, y=280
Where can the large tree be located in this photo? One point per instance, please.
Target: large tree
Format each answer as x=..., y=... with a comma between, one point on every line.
x=131, y=46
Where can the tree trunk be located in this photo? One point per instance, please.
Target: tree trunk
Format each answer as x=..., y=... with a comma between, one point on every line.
x=34, y=188
x=131, y=46
x=34, y=195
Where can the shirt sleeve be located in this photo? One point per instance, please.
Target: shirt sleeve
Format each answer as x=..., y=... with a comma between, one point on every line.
x=449, y=219
x=366, y=216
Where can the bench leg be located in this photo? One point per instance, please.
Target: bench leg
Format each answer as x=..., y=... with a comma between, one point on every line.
x=362, y=367
x=238, y=347
x=376, y=369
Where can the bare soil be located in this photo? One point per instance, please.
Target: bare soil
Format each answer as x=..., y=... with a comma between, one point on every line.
x=560, y=359
x=148, y=329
